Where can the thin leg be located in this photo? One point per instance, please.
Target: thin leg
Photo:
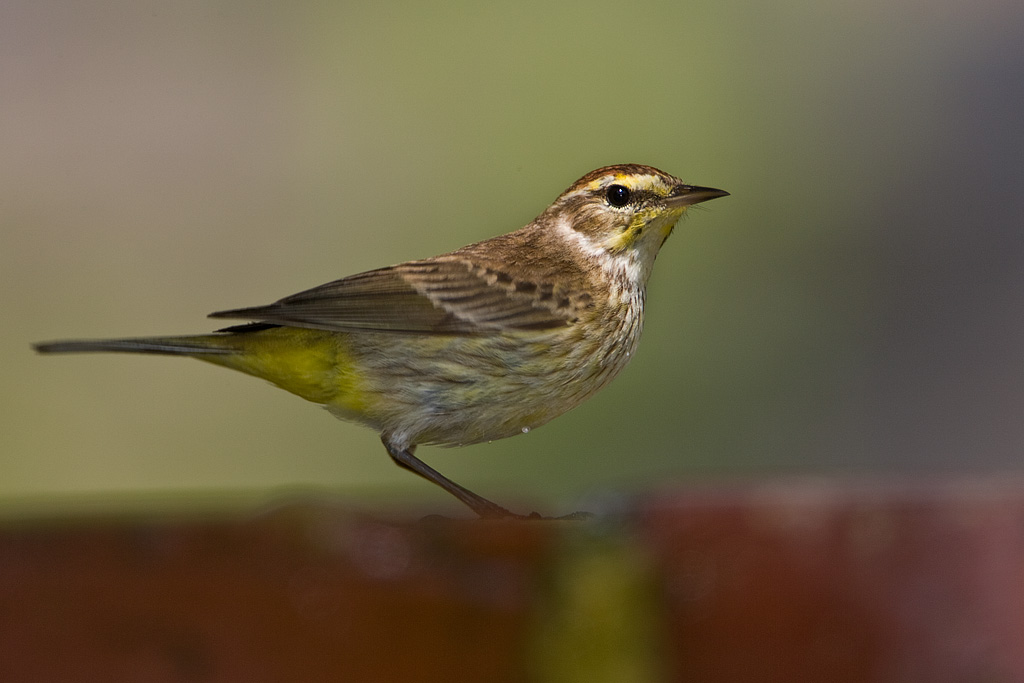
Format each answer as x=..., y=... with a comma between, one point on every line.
x=480, y=505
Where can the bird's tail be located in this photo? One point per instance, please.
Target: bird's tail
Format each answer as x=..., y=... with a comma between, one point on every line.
x=199, y=345
x=304, y=362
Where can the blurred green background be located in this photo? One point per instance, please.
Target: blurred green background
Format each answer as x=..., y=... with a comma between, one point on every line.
x=855, y=307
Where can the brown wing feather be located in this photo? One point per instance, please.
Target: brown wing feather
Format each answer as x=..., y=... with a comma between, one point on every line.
x=445, y=295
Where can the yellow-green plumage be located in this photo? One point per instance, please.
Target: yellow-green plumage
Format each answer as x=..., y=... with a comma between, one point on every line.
x=482, y=343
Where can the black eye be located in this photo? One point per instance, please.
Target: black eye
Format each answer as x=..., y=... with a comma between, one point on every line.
x=618, y=196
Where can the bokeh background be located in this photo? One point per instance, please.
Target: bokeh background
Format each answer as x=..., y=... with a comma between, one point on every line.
x=853, y=309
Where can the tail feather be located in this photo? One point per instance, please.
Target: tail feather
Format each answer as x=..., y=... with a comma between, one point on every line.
x=175, y=346
x=304, y=362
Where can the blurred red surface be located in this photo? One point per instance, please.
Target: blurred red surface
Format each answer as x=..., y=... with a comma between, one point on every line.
x=802, y=581
x=808, y=582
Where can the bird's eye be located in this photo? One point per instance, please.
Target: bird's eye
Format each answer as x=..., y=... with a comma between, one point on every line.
x=618, y=196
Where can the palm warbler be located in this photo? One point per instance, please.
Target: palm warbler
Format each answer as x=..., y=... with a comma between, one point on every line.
x=488, y=341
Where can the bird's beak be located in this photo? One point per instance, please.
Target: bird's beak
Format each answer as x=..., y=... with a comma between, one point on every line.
x=685, y=195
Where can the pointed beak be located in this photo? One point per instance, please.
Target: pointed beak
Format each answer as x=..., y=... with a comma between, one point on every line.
x=685, y=195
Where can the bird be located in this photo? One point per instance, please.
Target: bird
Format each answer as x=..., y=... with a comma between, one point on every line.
x=481, y=343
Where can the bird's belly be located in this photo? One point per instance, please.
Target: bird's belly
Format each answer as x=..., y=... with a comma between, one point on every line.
x=455, y=390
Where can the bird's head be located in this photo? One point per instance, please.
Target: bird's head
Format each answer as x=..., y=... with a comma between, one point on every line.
x=621, y=215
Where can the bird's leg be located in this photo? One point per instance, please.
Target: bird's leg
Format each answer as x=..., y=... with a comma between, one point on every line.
x=404, y=458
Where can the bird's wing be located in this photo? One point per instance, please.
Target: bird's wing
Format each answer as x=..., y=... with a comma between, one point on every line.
x=444, y=295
